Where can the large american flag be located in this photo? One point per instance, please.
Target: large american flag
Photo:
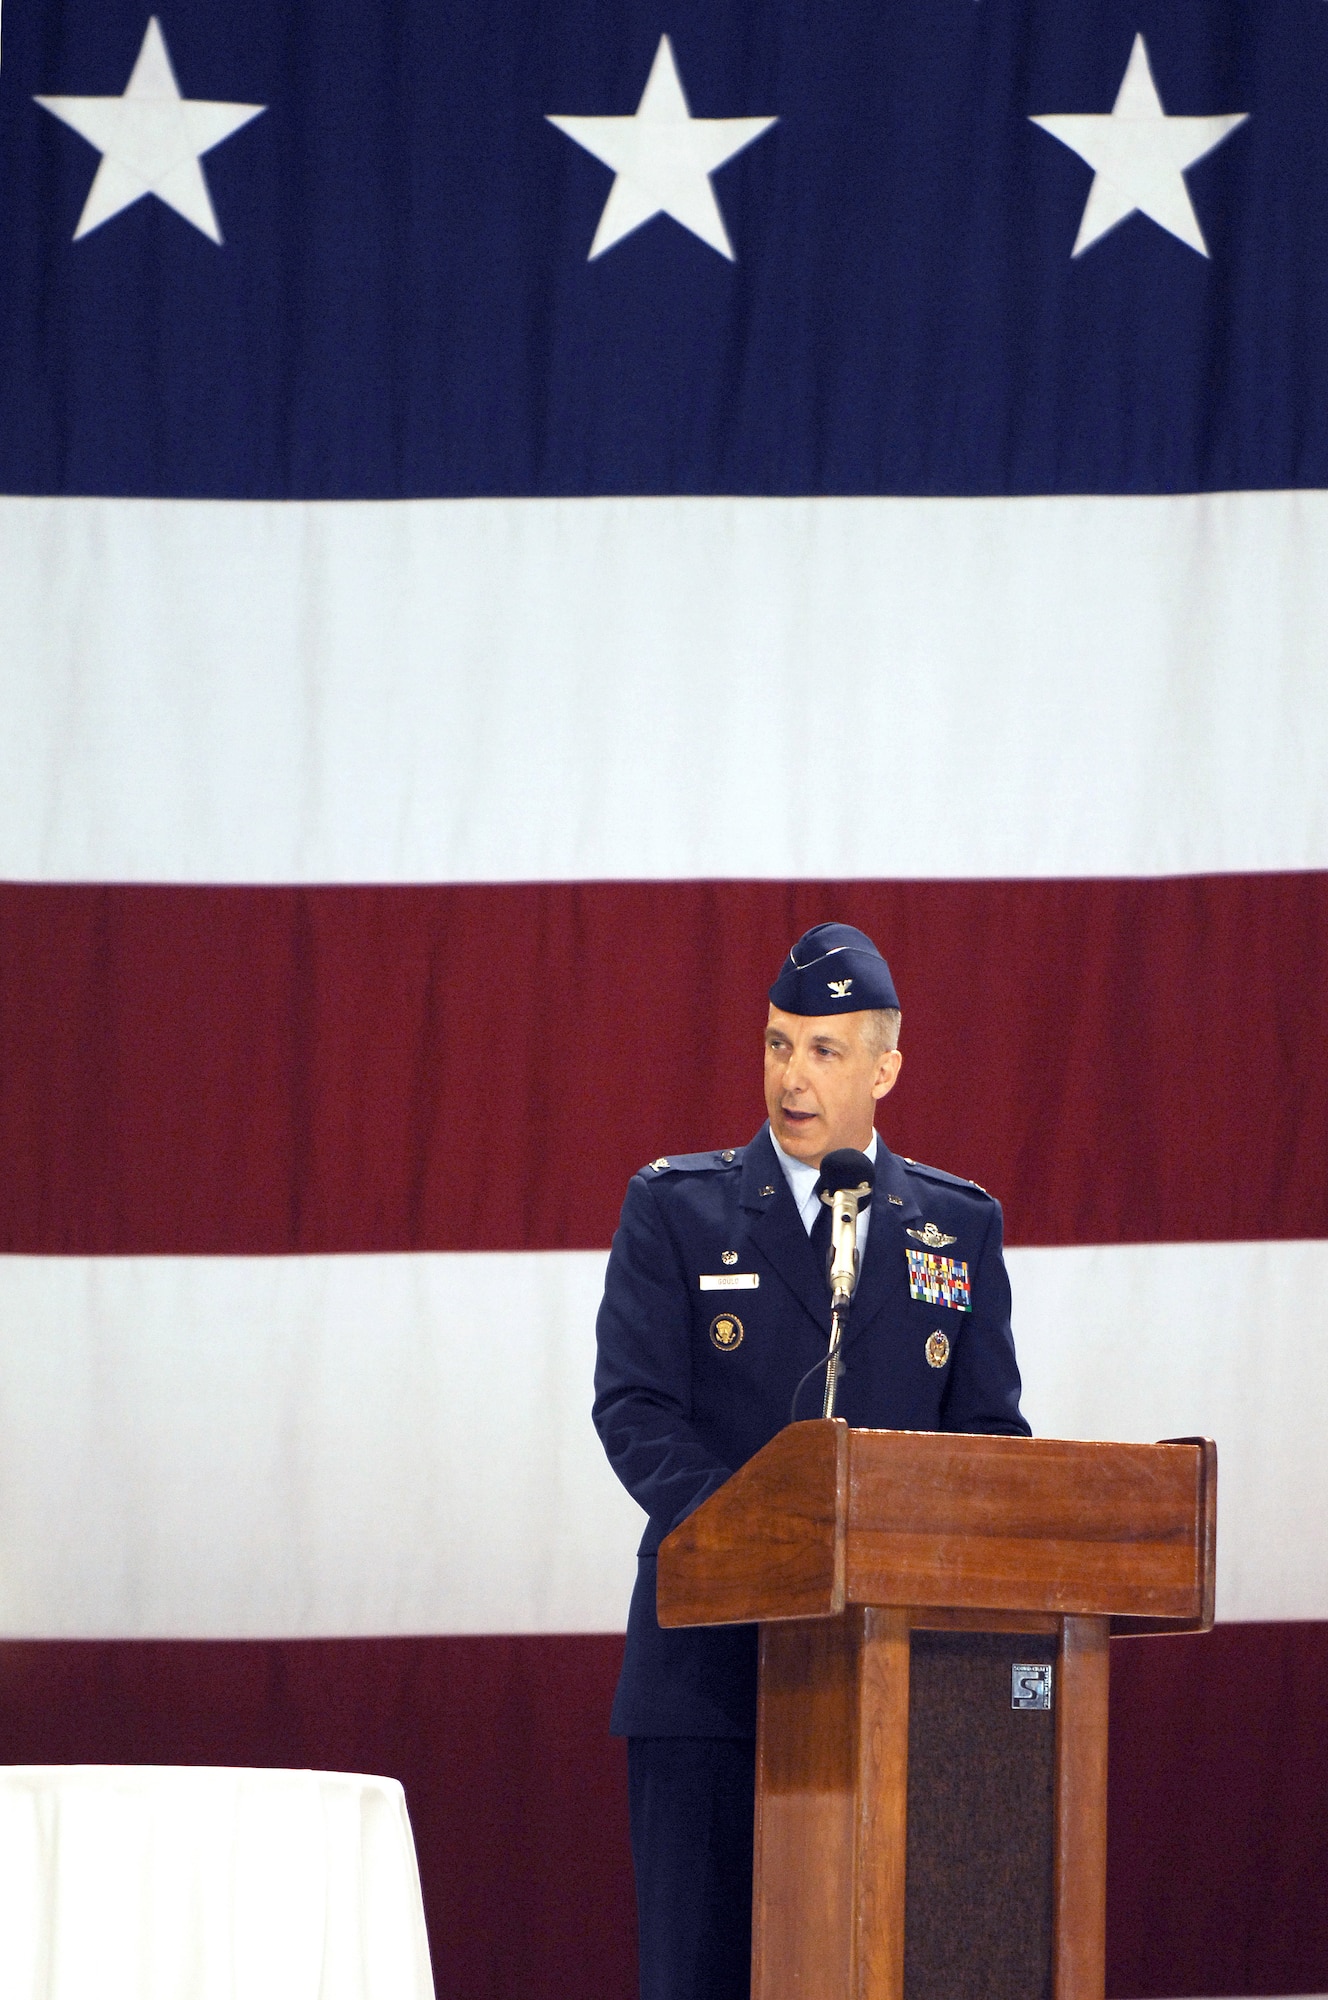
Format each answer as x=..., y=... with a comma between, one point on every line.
x=511, y=513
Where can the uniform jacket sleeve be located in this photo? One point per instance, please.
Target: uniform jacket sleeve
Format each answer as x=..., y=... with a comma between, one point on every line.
x=983, y=1390
x=643, y=1406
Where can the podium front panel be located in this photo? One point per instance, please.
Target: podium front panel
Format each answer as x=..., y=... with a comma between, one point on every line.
x=981, y=1819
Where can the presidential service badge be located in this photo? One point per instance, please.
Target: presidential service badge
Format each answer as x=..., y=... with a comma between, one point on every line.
x=934, y=1238
x=937, y=1350
x=726, y=1332
x=939, y=1281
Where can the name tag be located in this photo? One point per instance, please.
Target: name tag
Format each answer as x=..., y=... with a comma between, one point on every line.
x=731, y=1281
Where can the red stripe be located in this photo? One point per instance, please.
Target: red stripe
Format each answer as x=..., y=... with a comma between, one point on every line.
x=275, y=1070
x=1218, y=1841
x=516, y=1791
x=1217, y=1850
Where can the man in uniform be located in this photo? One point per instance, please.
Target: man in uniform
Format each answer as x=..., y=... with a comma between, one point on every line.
x=716, y=1306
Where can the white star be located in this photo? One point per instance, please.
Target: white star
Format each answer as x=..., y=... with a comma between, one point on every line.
x=1140, y=156
x=663, y=159
x=151, y=140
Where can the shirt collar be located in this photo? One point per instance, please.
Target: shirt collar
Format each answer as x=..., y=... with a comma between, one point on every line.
x=802, y=1179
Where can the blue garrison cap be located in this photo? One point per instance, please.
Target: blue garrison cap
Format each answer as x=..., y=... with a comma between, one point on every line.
x=833, y=969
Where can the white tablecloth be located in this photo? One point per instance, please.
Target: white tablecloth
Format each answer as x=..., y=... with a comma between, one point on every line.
x=124, y=1882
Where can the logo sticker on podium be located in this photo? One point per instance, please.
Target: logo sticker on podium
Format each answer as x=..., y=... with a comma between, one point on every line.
x=1030, y=1686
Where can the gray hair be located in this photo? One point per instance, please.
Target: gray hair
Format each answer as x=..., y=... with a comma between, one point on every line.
x=880, y=1030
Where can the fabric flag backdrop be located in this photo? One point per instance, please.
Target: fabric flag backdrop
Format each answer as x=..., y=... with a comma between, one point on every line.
x=509, y=515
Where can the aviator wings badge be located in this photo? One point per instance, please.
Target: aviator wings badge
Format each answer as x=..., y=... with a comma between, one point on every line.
x=934, y=1238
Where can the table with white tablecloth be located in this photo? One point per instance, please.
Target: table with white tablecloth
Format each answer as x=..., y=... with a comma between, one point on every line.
x=137, y=1882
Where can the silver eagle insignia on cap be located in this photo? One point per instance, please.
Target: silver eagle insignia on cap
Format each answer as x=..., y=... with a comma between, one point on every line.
x=934, y=1238
x=841, y=988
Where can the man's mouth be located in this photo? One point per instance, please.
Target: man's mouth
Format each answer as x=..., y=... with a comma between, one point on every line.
x=797, y=1117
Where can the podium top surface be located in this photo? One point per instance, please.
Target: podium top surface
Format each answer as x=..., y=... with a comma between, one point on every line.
x=825, y=1516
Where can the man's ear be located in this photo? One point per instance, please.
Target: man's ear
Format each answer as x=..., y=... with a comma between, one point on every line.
x=887, y=1073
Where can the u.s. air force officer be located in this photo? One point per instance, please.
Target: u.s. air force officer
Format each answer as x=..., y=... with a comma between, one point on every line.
x=716, y=1305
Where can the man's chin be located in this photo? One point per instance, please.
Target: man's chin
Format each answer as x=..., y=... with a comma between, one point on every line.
x=799, y=1139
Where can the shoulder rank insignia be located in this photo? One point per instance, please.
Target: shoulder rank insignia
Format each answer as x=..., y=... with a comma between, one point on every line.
x=934, y=1238
x=939, y=1281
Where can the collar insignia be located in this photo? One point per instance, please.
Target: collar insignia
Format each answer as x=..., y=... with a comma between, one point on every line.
x=934, y=1238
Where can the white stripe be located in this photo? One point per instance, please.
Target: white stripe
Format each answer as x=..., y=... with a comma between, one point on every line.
x=491, y=691
x=295, y=1446
x=1222, y=1340
x=292, y=1447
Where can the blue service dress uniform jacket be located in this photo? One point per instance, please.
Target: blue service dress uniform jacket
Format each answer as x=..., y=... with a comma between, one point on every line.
x=681, y=1404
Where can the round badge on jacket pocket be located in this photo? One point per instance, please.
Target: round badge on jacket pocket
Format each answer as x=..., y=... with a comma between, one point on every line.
x=726, y=1332
x=938, y=1349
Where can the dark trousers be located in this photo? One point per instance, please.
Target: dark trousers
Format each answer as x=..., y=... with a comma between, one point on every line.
x=691, y=1803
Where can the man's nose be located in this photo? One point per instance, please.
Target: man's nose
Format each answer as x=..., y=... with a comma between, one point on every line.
x=794, y=1076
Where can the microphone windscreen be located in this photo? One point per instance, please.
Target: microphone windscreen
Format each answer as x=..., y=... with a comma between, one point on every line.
x=846, y=1169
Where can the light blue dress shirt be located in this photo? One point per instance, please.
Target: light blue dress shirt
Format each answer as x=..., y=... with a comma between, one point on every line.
x=802, y=1181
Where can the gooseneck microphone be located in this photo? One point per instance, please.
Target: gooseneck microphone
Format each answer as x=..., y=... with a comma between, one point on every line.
x=845, y=1186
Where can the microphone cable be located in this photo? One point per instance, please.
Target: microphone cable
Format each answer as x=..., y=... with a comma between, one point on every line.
x=815, y=1369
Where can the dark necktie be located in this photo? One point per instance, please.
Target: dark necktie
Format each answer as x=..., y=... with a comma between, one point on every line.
x=821, y=1239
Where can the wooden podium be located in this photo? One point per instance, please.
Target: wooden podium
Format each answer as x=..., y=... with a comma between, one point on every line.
x=918, y=1836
